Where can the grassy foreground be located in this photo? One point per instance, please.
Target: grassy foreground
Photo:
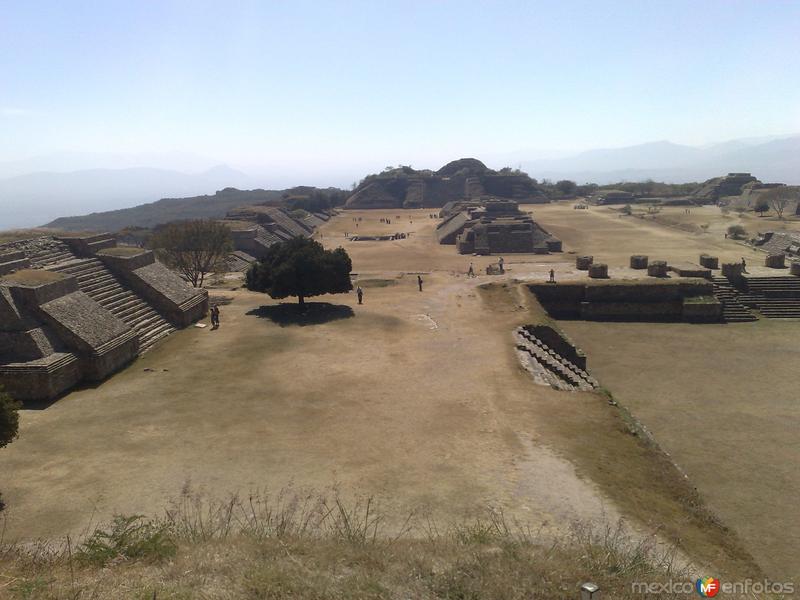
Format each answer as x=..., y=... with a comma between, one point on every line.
x=295, y=546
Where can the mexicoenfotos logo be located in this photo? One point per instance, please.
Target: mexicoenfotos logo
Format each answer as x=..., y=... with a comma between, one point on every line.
x=707, y=587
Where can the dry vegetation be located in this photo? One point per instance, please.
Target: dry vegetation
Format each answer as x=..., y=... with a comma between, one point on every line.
x=311, y=546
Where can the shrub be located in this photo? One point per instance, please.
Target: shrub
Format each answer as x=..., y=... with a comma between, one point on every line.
x=128, y=537
x=737, y=232
x=9, y=418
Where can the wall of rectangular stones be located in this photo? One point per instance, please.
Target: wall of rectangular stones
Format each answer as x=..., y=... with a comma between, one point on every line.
x=632, y=311
x=111, y=358
x=705, y=310
x=35, y=383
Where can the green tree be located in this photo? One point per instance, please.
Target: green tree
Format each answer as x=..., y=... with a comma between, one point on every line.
x=737, y=232
x=301, y=267
x=566, y=187
x=193, y=248
x=9, y=418
x=762, y=206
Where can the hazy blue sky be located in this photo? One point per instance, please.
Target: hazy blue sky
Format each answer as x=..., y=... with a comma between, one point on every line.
x=410, y=82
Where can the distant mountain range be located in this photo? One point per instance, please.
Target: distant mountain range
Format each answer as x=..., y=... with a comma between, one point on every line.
x=38, y=190
x=36, y=198
x=771, y=160
x=212, y=206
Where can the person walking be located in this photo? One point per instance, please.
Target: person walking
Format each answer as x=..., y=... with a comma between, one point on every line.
x=471, y=272
x=744, y=266
x=500, y=263
x=552, y=276
x=214, y=317
x=419, y=282
x=360, y=294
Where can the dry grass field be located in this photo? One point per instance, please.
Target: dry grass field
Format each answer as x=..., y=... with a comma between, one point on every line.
x=416, y=398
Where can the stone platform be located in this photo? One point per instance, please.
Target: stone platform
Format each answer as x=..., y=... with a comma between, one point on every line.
x=79, y=308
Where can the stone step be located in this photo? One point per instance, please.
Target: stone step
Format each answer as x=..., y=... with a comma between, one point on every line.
x=95, y=283
x=133, y=311
x=144, y=320
x=120, y=300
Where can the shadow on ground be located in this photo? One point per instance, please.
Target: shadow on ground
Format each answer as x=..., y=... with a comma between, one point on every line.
x=314, y=313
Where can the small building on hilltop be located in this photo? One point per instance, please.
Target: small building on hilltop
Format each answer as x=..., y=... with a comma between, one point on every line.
x=464, y=179
x=732, y=184
x=79, y=308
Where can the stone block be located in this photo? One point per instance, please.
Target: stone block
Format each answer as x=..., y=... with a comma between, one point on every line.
x=598, y=271
x=639, y=261
x=775, y=261
x=794, y=268
x=582, y=262
x=709, y=262
x=657, y=268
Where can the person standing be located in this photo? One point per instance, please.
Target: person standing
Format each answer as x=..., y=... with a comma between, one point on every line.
x=552, y=276
x=419, y=282
x=501, y=263
x=471, y=272
x=214, y=317
x=360, y=294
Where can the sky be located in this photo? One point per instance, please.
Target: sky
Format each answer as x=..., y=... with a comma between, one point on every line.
x=330, y=83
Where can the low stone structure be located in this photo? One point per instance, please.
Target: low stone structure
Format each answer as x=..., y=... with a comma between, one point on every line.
x=582, y=263
x=775, y=261
x=690, y=300
x=687, y=269
x=709, y=262
x=794, y=269
x=598, y=271
x=83, y=308
x=657, y=268
x=552, y=359
x=639, y=261
x=779, y=242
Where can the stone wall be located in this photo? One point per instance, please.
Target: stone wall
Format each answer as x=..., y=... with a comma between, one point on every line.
x=634, y=300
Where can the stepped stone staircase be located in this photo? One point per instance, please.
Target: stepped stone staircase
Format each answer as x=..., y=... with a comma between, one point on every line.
x=773, y=297
x=100, y=284
x=733, y=310
x=49, y=252
x=549, y=367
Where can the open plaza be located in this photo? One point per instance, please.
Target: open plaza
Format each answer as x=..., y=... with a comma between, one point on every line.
x=424, y=399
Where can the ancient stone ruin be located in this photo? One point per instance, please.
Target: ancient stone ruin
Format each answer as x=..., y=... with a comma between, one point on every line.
x=689, y=300
x=255, y=228
x=552, y=359
x=463, y=179
x=730, y=185
x=494, y=226
x=79, y=308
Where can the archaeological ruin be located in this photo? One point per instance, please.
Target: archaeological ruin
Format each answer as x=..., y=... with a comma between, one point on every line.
x=492, y=226
x=463, y=179
x=78, y=308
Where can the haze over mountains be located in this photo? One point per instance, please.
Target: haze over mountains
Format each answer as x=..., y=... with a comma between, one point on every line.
x=38, y=190
x=769, y=159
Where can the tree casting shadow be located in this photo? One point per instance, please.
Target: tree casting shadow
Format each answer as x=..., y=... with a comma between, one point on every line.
x=313, y=313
